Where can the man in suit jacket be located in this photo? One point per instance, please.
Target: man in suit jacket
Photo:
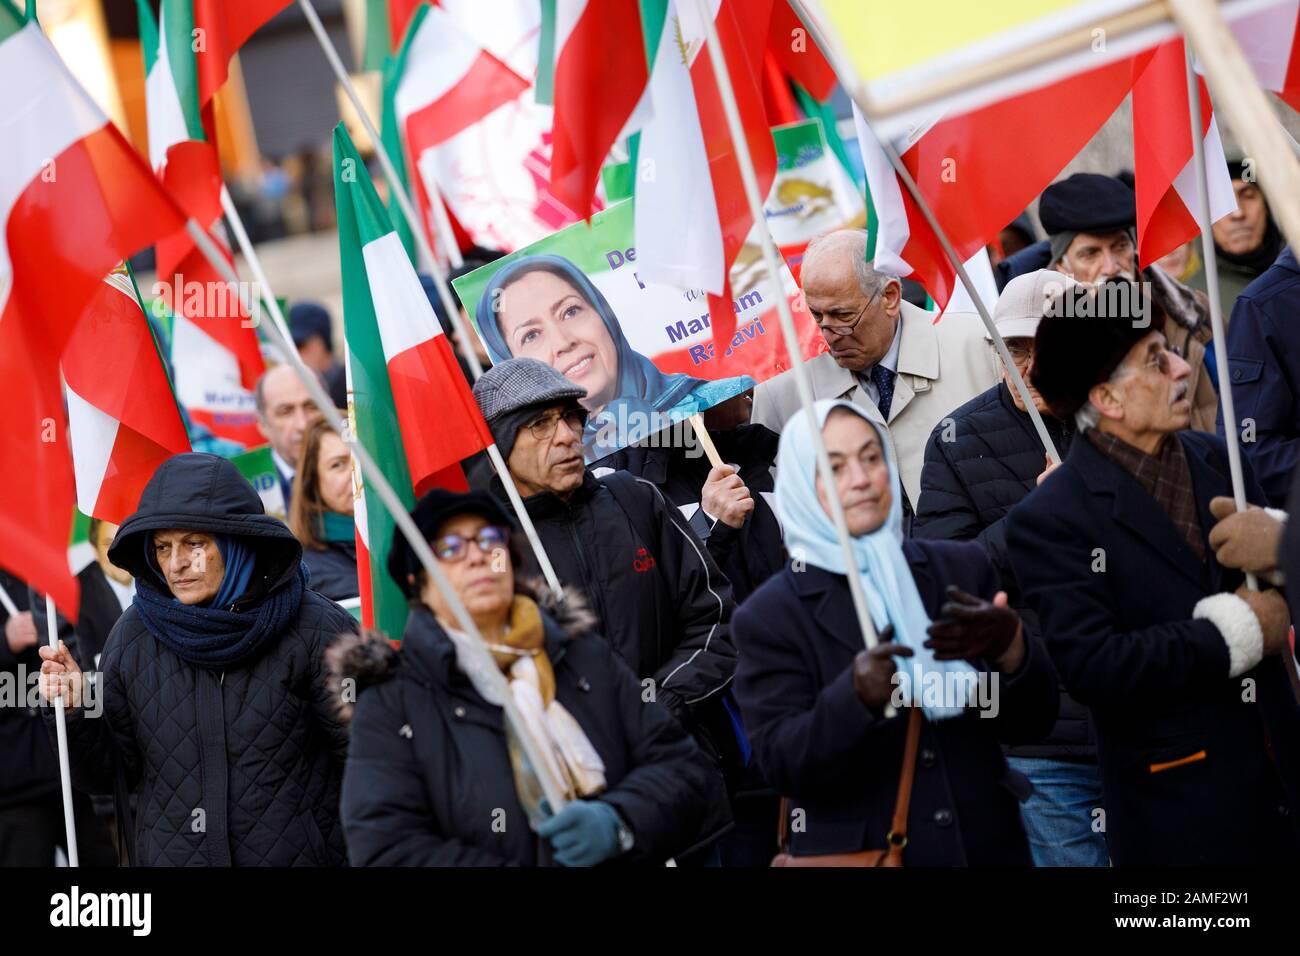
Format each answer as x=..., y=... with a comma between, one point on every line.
x=884, y=354
x=1198, y=732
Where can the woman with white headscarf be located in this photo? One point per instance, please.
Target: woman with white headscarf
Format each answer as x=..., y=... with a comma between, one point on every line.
x=815, y=701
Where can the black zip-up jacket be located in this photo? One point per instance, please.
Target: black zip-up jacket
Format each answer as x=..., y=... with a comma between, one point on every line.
x=747, y=555
x=976, y=470
x=429, y=780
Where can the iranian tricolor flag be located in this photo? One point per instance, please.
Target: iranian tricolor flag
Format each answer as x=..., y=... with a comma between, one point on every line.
x=214, y=347
x=597, y=77
x=122, y=416
x=75, y=200
x=441, y=83
x=1164, y=170
x=692, y=216
x=411, y=406
x=979, y=170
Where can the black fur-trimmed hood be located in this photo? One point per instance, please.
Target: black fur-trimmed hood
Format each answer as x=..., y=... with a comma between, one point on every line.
x=359, y=661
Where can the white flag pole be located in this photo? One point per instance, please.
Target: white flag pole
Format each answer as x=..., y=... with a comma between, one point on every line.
x=399, y=191
x=61, y=735
x=839, y=62
x=7, y=603
x=375, y=479
x=277, y=317
x=1212, y=291
x=773, y=262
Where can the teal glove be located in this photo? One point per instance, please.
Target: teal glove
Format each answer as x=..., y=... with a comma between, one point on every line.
x=584, y=833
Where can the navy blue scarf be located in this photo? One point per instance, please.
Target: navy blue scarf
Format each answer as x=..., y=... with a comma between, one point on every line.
x=214, y=637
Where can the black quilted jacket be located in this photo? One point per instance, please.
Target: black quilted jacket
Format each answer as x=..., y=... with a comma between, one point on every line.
x=241, y=767
x=976, y=470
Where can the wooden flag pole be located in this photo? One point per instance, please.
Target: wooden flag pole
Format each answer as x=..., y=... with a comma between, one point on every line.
x=375, y=479
x=706, y=440
x=802, y=380
x=1212, y=292
x=399, y=190
x=277, y=317
x=61, y=737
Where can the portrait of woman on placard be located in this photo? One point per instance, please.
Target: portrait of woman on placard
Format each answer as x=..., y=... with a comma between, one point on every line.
x=548, y=309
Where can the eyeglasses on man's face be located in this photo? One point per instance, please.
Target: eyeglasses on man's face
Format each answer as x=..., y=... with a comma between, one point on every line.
x=543, y=428
x=843, y=330
x=455, y=547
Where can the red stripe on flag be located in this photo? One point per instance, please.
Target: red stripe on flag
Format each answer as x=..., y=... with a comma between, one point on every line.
x=136, y=394
x=1162, y=146
x=64, y=234
x=742, y=40
x=226, y=26
x=210, y=303
x=487, y=84
x=426, y=380
x=980, y=170
x=364, y=587
x=235, y=426
x=600, y=75
x=799, y=57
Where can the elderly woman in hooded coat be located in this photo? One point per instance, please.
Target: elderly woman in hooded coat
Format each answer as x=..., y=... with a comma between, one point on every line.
x=441, y=773
x=545, y=307
x=815, y=701
x=216, y=714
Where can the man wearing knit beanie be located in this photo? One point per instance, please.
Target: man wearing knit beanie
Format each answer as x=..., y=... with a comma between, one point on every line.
x=1178, y=661
x=660, y=601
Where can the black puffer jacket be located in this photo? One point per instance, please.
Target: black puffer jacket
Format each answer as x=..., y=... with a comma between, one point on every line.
x=429, y=780
x=241, y=767
x=747, y=555
x=990, y=461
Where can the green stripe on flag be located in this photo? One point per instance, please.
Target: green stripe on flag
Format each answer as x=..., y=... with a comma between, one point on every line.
x=653, y=15
x=360, y=217
x=11, y=21
x=378, y=31
x=177, y=19
x=545, y=85
x=148, y=34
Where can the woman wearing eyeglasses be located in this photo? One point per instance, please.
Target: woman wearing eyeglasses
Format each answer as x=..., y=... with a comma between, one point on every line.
x=436, y=778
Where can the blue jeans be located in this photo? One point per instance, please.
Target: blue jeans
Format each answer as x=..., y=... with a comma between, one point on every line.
x=1060, y=815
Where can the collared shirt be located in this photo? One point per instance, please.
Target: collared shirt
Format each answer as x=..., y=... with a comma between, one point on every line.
x=890, y=361
x=286, y=470
x=1165, y=477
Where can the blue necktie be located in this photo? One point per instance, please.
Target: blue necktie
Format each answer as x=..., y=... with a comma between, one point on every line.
x=883, y=379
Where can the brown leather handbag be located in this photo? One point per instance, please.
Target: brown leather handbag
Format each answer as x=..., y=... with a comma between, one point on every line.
x=897, y=837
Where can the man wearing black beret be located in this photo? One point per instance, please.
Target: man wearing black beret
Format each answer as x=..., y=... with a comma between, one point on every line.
x=1091, y=224
x=1198, y=733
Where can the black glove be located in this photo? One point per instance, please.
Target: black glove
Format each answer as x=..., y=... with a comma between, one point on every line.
x=970, y=628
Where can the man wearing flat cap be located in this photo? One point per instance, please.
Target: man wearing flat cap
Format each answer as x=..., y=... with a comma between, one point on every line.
x=1091, y=225
x=1198, y=732
x=660, y=599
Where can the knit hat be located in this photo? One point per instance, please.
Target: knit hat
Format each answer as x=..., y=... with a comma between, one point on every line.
x=429, y=514
x=1081, y=343
x=511, y=392
x=1026, y=299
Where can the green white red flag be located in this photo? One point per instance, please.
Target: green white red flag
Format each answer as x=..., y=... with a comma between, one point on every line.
x=75, y=200
x=411, y=406
x=215, y=350
x=692, y=216
x=123, y=421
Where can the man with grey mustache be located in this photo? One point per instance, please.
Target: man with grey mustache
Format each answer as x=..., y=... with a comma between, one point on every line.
x=1198, y=732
